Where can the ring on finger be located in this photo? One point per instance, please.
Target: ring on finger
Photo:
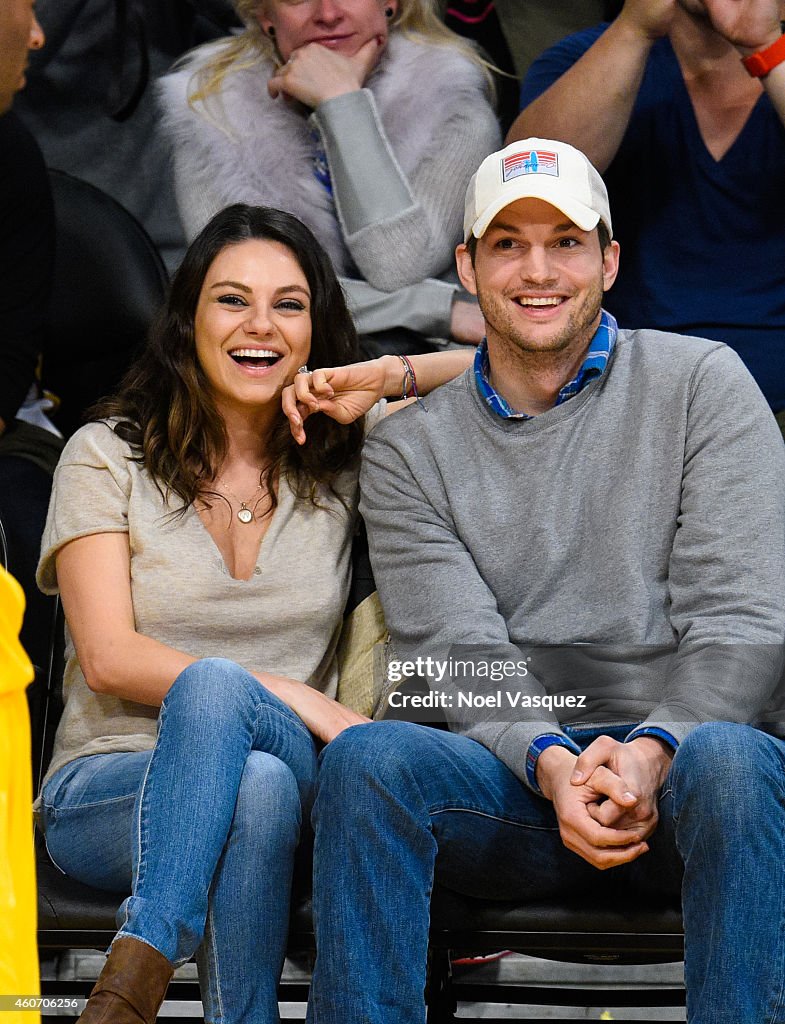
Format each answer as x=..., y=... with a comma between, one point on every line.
x=303, y=369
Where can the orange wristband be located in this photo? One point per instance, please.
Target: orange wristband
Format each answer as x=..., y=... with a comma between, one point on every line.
x=759, y=64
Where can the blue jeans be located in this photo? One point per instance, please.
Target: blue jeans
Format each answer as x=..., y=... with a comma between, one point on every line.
x=204, y=829
x=406, y=804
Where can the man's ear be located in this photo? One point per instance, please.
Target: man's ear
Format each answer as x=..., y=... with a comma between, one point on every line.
x=610, y=264
x=465, y=267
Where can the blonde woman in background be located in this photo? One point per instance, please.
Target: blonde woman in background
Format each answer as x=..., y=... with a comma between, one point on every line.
x=365, y=119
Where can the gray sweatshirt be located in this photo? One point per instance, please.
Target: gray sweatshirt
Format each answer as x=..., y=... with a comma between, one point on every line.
x=645, y=516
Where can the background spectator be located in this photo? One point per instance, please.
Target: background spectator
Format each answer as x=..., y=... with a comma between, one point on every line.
x=29, y=444
x=19, y=32
x=401, y=115
x=90, y=101
x=693, y=151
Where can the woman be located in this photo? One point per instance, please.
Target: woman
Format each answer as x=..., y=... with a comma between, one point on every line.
x=187, y=528
x=365, y=119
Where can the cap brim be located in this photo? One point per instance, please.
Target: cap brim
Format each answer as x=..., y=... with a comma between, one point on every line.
x=530, y=186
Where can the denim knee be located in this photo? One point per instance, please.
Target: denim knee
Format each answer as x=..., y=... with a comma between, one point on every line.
x=721, y=758
x=214, y=688
x=375, y=755
x=371, y=745
x=268, y=804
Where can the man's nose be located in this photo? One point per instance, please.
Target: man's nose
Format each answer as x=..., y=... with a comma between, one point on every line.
x=37, y=38
x=538, y=265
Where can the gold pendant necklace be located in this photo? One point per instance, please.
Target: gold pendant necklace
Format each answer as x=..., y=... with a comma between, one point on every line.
x=244, y=513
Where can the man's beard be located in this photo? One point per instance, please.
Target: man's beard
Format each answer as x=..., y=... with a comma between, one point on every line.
x=500, y=318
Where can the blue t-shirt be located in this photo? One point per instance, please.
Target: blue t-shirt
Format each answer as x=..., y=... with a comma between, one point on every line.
x=702, y=241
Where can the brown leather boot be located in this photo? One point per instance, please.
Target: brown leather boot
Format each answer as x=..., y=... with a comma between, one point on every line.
x=131, y=987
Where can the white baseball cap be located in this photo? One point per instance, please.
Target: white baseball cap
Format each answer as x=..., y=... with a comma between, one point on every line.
x=543, y=169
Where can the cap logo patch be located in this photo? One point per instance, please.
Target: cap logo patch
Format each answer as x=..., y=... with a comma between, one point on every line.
x=530, y=161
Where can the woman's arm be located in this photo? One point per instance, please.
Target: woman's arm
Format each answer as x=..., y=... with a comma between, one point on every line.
x=347, y=392
x=432, y=307
x=399, y=226
x=94, y=578
x=411, y=233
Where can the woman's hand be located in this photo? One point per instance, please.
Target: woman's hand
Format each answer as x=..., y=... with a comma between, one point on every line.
x=347, y=392
x=343, y=392
x=314, y=74
x=322, y=715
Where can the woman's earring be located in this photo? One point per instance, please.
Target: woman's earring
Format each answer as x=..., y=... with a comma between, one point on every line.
x=271, y=32
x=388, y=12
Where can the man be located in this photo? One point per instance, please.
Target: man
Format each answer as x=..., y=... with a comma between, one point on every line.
x=581, y=485
x=19, y=33
x=692, y=146
x=29, y=443
x=91, y=103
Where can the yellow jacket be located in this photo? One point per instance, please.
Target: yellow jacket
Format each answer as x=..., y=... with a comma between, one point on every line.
x=18, y=954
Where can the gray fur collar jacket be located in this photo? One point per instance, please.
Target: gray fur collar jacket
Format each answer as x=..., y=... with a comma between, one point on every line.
x=400, y=151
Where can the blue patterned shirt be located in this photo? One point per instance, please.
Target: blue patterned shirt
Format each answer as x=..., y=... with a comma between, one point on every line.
x=594, y=365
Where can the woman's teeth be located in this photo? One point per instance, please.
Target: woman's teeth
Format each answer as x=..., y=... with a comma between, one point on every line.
x=255, y=356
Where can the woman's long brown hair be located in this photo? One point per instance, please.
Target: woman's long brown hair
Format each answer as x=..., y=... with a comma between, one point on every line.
x=164, y=408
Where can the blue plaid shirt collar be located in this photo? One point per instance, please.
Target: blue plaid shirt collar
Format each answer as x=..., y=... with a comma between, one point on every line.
x=594, y=365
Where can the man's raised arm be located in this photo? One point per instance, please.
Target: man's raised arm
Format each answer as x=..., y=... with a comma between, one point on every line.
x=590, y=102
x=754, y=28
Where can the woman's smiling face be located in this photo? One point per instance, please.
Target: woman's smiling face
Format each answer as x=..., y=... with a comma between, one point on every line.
x=252, y=327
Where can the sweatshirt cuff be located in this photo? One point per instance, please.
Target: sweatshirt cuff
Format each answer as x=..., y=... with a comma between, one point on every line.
x=512, y=744
x=536, y=747
x=425, y=307
x=653, y=730
x=674, y=721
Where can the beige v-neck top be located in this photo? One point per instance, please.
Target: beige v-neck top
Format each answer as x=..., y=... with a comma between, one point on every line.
x=285, y=619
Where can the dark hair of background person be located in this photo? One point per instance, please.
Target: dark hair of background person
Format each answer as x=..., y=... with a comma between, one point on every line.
x=164, y=403
x=480, y=23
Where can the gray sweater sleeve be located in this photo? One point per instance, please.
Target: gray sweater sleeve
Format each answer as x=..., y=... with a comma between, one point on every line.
x=401, y=231
x=726, y=574
x=424, y=307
